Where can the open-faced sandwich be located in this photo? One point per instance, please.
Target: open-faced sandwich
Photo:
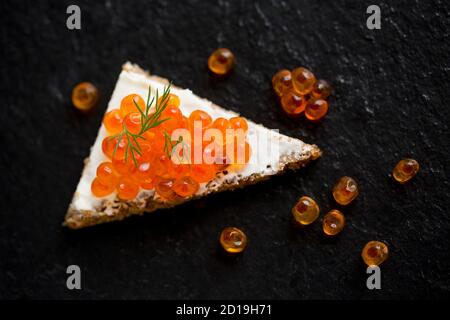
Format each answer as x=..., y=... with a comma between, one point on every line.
x=160, y=146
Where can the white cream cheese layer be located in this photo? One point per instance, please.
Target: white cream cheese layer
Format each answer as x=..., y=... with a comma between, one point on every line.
x=264, y=161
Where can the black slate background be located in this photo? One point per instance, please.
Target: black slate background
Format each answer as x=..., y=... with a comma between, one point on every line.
x=390, y=101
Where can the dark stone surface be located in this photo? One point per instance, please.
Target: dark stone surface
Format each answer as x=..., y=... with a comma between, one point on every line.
x=390, y=101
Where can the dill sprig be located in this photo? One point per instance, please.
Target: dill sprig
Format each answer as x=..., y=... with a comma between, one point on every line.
x=148, y=121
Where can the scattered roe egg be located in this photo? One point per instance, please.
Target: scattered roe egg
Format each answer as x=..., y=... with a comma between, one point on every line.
x=282, y=82
x=106, y=173
x=185, y=186
x=333, y=223
x=111, y=144
x=199, y=116
x=233, y=240
x=164, y=188
x=321, y=89
x=303, y=80
x=85, y=96
x=374, y=253
x=345, y=190
x=221, y=61
x=101, y=188
x=239, y=123
x=128, y=104
x=405, y=170
x=306, y=211
x=293, y=103
x=113, y=121
x=132, y=122
x=316, y=109
x=127, y=189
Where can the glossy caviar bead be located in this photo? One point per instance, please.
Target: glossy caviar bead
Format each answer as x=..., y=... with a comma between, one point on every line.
x=375, y=253
x=303, y=80
x=100, y=188
x=221, y=61
x=201, y=116
x=172, y=100
x=113, y=121
x=174, y=116
x=106, y=173
x=164, y=188
x=185, y=186
x=148, y=183
x=239, y=123
x=109, y=145
x=85, y=96
x=333, y=222
x=321, y=89
x=282, y=82
x=127, y=189
x=405, y=170
x=143, y=171
x=225, y=128
x=306, y=211
x=345, y=190
x=293, y=103
x=124, y=167
x=132, y=122
x=316, y=109
x=128, y=104
x=233, y=240
x=161, y=164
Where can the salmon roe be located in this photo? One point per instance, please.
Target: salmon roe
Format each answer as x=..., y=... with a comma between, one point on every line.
x=405, y=170
x=85, y=96
x=159, y=160
x=233, y=240
x=345, y=190
x=375, y=253
x=221, y=61
x=300, y=91
x=306, y=211
x=333, y=223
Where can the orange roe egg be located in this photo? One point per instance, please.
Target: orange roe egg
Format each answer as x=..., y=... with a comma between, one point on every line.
x=224, y=126
x=174, y=118
x=203, y=117
x=321, y=89
x=185, y=186
x=293, y=103
x=109, y=145
x=148, y=183
x=316, y=109
x=106, y=173
x=375, y=253
x=282, y=82
x=143, y=171
x=161, y=163
x=333, y=223
x=113, y=121
x=100, y=188
x=85, y=96
x=203, y=172
x=233, y=240
x=164, y=188
x=345, y=190
x=128, y=104
x=405, y=170
x=127, y=189
x=306, y=211
x=132, y=122
x=303, y=80
x=239, y=123
x=221, y=61
x=171, y=100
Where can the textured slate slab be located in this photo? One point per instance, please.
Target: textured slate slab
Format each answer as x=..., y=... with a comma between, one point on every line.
x=390, y=101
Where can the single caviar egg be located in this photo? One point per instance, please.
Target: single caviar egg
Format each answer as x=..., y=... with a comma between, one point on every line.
x=124, y=166
x=143, y=171
x=100, y=188
x=233, y=240
x=316, y=109
x=333, y=222
x=200, y=117
x=225, y=127
x=106, y=173
x=185, y=186
x=221, y=61
x=85, y=96
x=114, y=148
x=239, y=123
x=345, y=190
x=282, y=82
x=375, y=253
x=321, y=89
x=405, y=170
x=171, y=100
x=293, y=103
x=132, y=122
x=127, y=189
x=113, y=121
x=306, y=211
x=128, y=104
x=303, y=80
x=164, y=188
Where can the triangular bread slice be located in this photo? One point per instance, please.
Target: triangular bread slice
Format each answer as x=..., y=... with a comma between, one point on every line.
x=87, y=210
